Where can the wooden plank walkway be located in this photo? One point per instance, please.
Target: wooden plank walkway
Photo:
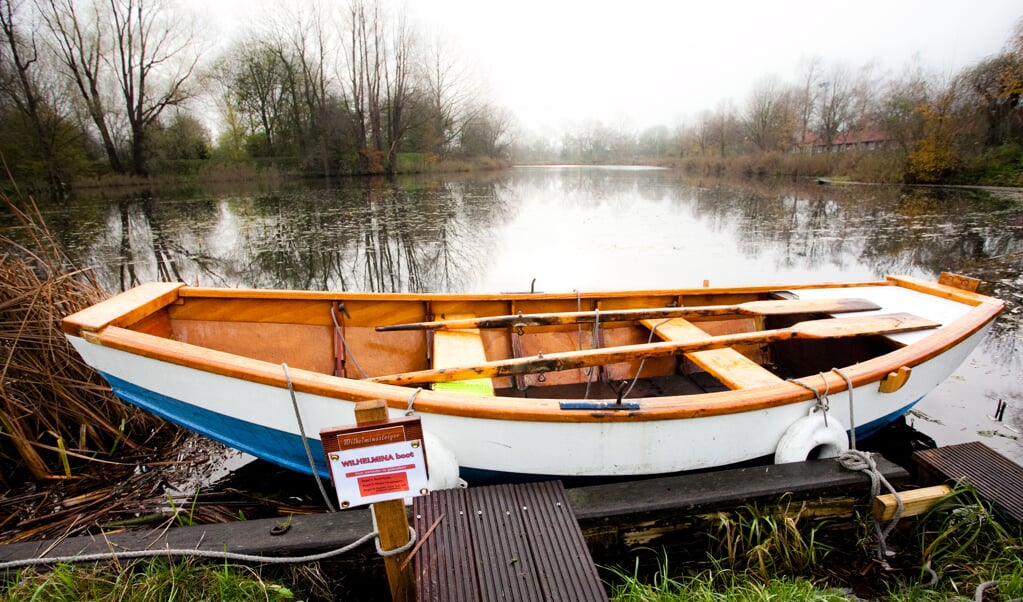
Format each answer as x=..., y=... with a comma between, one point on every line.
x=995, y=477
x=502, y=542
x=608, y=513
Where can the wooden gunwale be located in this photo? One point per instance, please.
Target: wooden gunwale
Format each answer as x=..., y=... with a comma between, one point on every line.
x=123, y=310
x=112, y=335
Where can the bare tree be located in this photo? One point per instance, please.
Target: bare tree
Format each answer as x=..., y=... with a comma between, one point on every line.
x=154, y=55
x=252, y=77
x=400, y=88
x=366, y=54
x=486, y=133
x=898, y=111
x=766, y=119
x=723, y=127
x=22, y=85
x=80, y=46
x=805, y=97
x=138, y=48
x=844, y=101
x=450, y=96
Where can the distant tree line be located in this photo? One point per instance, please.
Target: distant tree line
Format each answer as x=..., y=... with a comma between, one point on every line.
x=119, y=86
x=936, y=128
x=93, y=87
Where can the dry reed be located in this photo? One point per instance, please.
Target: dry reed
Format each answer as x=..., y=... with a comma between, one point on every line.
x=55, y=411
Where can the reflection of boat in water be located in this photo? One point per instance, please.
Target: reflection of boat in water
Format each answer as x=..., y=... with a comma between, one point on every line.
x=576, y=384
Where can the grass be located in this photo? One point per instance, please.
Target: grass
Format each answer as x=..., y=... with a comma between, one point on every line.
x=765, y=543
x=144, y=581
x=716, y=584
x=950, y=553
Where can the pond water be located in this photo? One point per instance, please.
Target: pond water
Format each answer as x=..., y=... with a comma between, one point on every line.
x=567, y=228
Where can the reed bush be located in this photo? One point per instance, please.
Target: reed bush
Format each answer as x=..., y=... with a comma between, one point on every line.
x=55, y=411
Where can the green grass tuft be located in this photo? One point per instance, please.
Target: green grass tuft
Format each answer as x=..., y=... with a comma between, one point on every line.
x=144, y=581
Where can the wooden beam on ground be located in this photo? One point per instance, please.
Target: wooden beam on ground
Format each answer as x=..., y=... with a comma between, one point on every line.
x=914, y=501
x=610, y=515
x=285, y=536
x=652, y=511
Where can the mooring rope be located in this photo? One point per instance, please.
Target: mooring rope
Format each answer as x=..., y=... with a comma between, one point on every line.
x=639, y=370
x=188, y=552
x=411, y=401
x=393, y=551
x=862, y=461
x=594, y=343
x=305, y=441
x=348, y=350
x=216, y=554
x=823, y=403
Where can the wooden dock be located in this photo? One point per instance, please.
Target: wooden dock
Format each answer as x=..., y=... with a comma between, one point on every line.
x=995, y=477
x=534, y=540
x=502, y=542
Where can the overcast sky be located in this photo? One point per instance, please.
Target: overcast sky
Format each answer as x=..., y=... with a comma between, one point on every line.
x=647, y=61
x=643, y=62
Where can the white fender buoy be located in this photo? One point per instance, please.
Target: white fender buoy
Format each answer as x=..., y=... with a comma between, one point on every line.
x=825, y=438
x=441, y=464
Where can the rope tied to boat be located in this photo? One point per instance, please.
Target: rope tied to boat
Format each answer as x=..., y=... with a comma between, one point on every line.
x=305, y=441
x=642, y=362
x=341, y=337
x=863, y=461
x=412, y=400
x=823, y=403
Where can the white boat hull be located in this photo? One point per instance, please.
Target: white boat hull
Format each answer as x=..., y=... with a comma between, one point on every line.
x=260, y=419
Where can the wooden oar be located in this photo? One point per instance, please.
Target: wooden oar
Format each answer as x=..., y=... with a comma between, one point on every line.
x=756, y=308
x=811, y=329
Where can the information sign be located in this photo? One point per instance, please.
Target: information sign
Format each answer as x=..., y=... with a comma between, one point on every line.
x=377, y=461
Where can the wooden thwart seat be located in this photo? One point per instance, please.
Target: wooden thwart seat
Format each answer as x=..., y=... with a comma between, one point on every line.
x=463, y=347
x=733, y=369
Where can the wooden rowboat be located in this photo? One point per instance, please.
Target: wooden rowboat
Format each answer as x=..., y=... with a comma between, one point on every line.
x=575, y=384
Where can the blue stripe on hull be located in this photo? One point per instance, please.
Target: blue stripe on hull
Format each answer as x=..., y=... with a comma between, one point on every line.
x=865, y=430
x=279, y=447
x=285, y=449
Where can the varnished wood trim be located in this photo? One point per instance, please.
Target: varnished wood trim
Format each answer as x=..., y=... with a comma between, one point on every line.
x=940, y=290
x=507, y=297
x=124, y=309
x=895, y=380
x=544, y=410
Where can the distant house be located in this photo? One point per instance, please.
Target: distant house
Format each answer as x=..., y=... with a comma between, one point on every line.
x=866, y=139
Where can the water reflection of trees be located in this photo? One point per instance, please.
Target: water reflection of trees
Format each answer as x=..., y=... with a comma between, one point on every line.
x=379, y=236
x=888, y=229
x=891, y=230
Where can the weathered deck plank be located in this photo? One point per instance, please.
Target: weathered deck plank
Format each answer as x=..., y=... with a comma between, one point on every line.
x=995, y=477
x=605, y=513
x=503, y=542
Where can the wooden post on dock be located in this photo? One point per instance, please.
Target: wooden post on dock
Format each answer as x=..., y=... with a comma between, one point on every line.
x=391, y=519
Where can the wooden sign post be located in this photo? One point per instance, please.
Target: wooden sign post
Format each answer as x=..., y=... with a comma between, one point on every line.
x=391, y=519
